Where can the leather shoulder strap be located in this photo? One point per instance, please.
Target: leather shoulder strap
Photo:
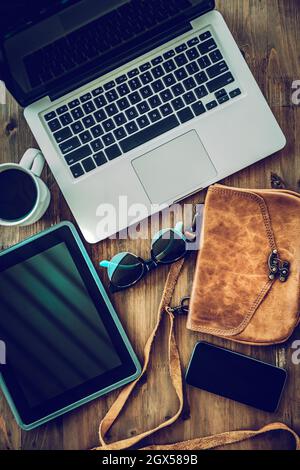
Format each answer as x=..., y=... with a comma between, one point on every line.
x=176, y=377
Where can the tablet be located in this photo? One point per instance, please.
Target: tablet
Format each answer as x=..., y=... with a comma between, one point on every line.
x=65, y=345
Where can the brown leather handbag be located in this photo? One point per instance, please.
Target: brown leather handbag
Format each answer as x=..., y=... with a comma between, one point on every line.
x=247, y=280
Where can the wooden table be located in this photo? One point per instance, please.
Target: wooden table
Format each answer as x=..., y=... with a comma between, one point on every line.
x=268, y=33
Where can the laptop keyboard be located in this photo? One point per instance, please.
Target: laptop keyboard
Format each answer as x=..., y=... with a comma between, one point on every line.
x=172, y=89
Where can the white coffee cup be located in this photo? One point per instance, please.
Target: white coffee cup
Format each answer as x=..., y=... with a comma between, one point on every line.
x=31, y=163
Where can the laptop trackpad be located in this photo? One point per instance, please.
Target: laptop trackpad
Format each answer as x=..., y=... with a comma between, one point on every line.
x=176, y=168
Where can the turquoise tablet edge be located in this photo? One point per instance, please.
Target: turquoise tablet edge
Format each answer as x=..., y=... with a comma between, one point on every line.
x=83, y=401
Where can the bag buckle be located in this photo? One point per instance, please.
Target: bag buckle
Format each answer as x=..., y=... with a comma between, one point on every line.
x=278, y=267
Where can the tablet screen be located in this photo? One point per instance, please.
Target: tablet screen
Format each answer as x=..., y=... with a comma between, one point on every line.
x=55, y=338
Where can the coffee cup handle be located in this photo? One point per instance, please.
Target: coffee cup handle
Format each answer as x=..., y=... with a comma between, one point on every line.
x=33, y=160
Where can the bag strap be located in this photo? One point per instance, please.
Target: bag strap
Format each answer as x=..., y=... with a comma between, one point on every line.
x=176, y=377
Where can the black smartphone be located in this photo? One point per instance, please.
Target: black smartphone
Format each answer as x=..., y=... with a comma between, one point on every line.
x=236, y=376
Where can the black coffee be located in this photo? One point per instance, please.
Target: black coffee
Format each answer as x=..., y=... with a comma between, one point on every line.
x=18, y=194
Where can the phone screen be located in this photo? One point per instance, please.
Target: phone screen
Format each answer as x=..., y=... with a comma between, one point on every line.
x=235, y=376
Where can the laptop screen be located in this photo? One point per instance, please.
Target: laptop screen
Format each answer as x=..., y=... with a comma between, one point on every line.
x=49, y=46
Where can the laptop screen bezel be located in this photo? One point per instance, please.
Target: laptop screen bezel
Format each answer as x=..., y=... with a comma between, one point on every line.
x=73, y=81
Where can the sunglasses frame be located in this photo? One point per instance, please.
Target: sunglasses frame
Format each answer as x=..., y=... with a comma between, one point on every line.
x=152, y=263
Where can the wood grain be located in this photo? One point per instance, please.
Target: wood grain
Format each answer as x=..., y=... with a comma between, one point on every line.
x=268, y=34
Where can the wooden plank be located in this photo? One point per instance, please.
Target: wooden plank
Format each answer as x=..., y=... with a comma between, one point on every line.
x=267, y=32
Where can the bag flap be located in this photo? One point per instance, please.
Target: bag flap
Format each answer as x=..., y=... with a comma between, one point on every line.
x=232, y=276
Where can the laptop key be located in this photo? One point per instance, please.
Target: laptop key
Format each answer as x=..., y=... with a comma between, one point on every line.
x=62, y=135
x=85, y=97
x=131, y=127
x=207, y=46
x=123, y=103
x=204, y=62
x=201, y=92
x=192, y=53
x=181, y=48
x=85, y=137
x=198, y=108
x=155, y=101
x=120, y=119
x=169, y=54
x=166, y=95
x=146, y=92
x=189, y=83
x=131, y=113
x=123, y=89
x=100, y=158
x=89, y=107
x=88, y=121
x=169, y=66
x=185, y=115
x=98, y=91
x=193, y=42
x=77, y=113
x=158, y=72
x=177, y=104
x=149, y=133
x=189, y=97
x=145, y=67
x=62, y=109
x=166, y=109
x=108, y=139
x=181, y=60
x=146, y=78
x=169, y=80
x=157, y=60
x=217, y=69
x=109, y=85
x=205, y=35
x=235, y=93
x=201, y=78
x=134, y=84
x=113, y=152
x=223, y=99
x=111, y=96
x=77, y=170
x=154, y=115
x=69, y=145
x=77, y=127
x=143, y=107
x=97, y=131
x=88, y=164
x=143, y=121
x=54, y=125
x=181, y=74
x=108, y=125
x=121, y=79
x=100, y=101
x=192, y=68
x=211, y=105
x=111, y=109
x=157, y=86
x=215, y=56
x=78, y=155
x=50, y=115
x=66, y=119
x=120, y=133
x=97, y=145
x=100, y=115
x=220, y=82
x=133, y=73
x=220, y=93
x=177, y=89
x=135, y=97
x=73, y=104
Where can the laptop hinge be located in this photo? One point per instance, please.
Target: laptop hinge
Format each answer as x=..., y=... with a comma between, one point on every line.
x=159, y=40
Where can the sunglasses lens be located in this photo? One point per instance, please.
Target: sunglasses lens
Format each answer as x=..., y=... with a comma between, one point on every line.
x=128, y=271
x=169, y=247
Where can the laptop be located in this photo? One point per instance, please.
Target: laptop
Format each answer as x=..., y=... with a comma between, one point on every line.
x=145, y=100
